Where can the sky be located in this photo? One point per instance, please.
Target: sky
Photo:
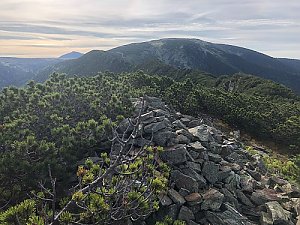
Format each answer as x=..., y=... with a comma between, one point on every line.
x=50, y=28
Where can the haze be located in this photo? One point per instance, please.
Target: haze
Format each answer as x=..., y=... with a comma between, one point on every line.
x=43, y=28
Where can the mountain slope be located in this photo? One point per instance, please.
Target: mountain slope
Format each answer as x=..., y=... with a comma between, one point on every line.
x=71, y=55
x=17, y=71
x=187, y=54
x=294, y=63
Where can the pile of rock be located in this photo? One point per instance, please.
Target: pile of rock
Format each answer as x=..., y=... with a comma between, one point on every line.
x=214, y=180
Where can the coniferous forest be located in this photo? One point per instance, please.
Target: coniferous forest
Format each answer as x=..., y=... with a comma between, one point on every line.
x=51, y=132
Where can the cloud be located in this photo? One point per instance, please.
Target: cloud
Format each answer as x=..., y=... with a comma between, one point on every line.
x=67, y=25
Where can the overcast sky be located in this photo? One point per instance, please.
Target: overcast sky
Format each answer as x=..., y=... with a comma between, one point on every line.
x=41, y=28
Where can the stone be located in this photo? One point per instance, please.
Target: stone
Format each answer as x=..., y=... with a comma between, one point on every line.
x=176, y=197
x=195, y=166
x=186, y=214
x=195, y=123
x=196, y=146
x=193, y=199
x=210, y=171
x=265, y=219
x=178, y=124
x=185, y=133
x=164, y=138
x=214, y=157
x=229, y=197
x=277, y=213
x=201, y=133
x=228, y=217
x=184, y=181
x=198, y=177
x=232, y=182
x=175, y=156
x=165, y=200
x=212, y=200
x=226, y=150
x=260, y=197
x=160, y=112
x=256, y=175
x=183, y=192
x=181, y=139
x=225, y=171
x=194, y=154
x=243, y=198
x=154, y=127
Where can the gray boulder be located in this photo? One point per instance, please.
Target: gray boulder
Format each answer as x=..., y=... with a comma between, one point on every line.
x=210, y=171
x=212, y=200
x=175, y=156
x=183, y=181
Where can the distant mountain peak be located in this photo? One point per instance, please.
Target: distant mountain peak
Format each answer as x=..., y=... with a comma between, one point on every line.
x=71, y=55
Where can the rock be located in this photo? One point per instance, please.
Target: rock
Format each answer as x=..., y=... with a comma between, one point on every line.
x=199, y=178
x=183, y=192
x=164, y=138
x=195, y=166
x=228, y=217
x=186, y=214
x=256, y=175
x=247, y=183
x=201, y=132
x=226, y=150
x=160, y=112
x=175, y=156
x=214, y=157
x=154, y=127
x=260, y=197
x=178, y=124
x=185, y=133
x=243, y=198
x=265, y=219
x=196, y=146
x=147, y=116
x=229, y=197
x=195, y=123
x=194, y=154
x=176, y=197
x=165, y=200
x=232, y=182
x=184, y=181
x=193, y=199
x=181, y=139
x=210, y=171
x=212, y=200
x=225, y=171
x=277, y=214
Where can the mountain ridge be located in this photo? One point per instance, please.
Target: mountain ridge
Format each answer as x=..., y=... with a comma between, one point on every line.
x=186, y=54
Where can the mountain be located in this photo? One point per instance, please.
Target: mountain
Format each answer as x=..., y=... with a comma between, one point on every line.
x=71, y=55
x=187, y=54
x=294, y=63
x=17, y=71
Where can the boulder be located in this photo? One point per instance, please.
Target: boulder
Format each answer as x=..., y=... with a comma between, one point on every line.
x=183, y=181
x=164, y=138
x=198, y=177
x=201, y=133
x=212, y=200
x=228, y=217
x=196, y=146
x=175, y=156
x=193, y=199
x=176, y=197
x=210, y=171
x=277, y=214
x=186, y=214
x=260, y=197
x=214, y=157
x=165, y=200
x=154, y=127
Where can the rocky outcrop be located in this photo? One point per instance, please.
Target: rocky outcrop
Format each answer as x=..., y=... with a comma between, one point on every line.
x=213, y=180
